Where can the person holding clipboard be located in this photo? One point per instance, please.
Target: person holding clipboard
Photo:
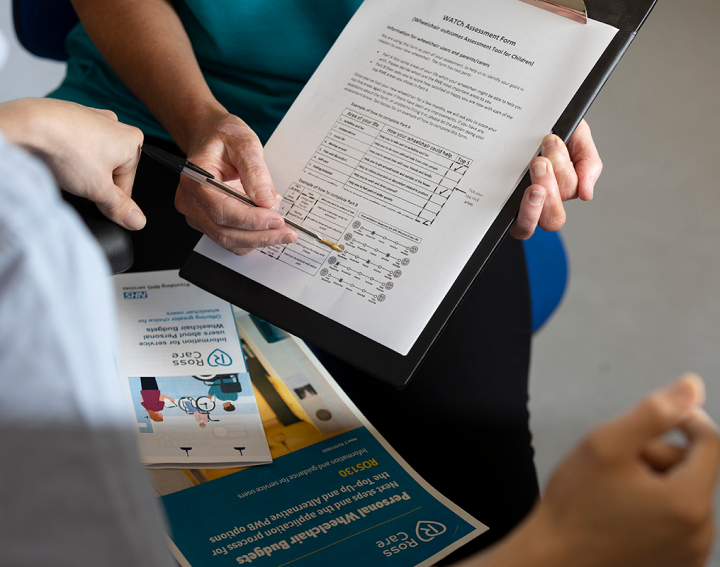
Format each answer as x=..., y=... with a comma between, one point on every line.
x=216, y=81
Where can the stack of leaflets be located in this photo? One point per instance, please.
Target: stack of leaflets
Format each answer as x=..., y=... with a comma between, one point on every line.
x=185, y=375
x=336, y=492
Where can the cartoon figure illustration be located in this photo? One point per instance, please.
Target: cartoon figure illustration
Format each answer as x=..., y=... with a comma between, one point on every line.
x=151, y=398
x=224, y=387
x=199, y=408
x=201, y=418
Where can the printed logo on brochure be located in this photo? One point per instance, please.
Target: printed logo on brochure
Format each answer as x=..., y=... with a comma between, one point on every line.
x=427, y=531
x=219, y=358
x=135, y=295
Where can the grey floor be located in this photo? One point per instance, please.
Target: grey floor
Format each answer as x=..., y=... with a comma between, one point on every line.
x=643, y=303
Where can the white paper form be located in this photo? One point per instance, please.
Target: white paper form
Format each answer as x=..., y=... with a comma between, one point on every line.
x=185, y=375
x=405, y=145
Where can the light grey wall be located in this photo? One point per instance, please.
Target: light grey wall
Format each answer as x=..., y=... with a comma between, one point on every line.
x=643, y=304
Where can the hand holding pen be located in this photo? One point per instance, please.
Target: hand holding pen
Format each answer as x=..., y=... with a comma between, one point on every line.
x=224, y=145
x=196, y=173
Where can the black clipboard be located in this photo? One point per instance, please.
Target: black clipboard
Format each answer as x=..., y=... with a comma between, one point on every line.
x=375, y=359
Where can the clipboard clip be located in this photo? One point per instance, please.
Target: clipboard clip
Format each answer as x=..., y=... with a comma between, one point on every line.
x=573, y=9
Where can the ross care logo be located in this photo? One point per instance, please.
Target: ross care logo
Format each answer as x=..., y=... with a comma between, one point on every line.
x=427, y=531
x=135, y=294
x=219, y=358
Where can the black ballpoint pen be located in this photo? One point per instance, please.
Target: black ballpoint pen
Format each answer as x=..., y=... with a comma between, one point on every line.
x=189, y=169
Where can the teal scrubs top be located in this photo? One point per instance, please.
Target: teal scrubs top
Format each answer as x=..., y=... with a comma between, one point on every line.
x=256, y=56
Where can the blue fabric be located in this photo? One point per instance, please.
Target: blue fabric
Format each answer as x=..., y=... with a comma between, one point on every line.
x=256, y=57
x=547, y=274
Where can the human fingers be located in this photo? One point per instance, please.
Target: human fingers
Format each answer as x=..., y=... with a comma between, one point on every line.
x=240, y=230
x=661, y=455
x=585, y=156
x=530, y=211
x=124, y=155
x=553, y=213
x=246, y=155
x=128, y=157
x=699, y=470
x=577, y=165
x=239, y=241
x=555, y=150
x=657, y=414
x=117, y=205
x=689, y=488
x=213, y=207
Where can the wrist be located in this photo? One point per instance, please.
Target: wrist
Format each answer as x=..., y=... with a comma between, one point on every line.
x=534, y=543
x=38, y=125
x=19, y=124
x=190, y=126
x=41, y=127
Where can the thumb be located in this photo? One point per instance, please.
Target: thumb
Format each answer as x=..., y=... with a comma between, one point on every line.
x=121, y=209
x=657, y=414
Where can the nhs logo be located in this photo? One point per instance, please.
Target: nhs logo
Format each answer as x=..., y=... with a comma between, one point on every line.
x=135, y=294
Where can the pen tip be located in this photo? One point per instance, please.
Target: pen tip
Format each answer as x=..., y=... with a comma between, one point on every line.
x=332, y=245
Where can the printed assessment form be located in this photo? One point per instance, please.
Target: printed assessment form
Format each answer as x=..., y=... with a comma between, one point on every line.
x=403, y=148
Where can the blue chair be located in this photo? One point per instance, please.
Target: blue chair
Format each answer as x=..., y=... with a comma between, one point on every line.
x=41, y=27
x=547, y=274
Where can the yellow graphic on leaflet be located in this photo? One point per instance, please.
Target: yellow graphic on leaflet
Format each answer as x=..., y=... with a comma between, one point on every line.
x=287, y=425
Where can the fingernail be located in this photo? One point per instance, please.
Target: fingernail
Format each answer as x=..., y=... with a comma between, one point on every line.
x=539, y=168
x=135, y=220
x=264, y=195
x=591, y=184
x=289, y=238
x=692, y=386
x=536, y=197
x=683, y=393
x=549, y=141
x=275, y=223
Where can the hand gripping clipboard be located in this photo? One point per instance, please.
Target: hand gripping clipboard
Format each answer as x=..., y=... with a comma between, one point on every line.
x=372, y=357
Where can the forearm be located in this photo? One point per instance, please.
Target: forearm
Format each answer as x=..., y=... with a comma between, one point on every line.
x=145, y=43
x=37, y=125
x=19, y=124
x=532, y=544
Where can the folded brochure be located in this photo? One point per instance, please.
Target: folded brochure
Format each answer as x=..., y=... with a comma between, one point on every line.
x=185, y=375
